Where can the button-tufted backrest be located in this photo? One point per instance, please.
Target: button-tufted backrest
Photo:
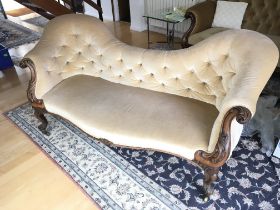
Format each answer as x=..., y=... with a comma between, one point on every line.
x=78, y=44
x=262, y=16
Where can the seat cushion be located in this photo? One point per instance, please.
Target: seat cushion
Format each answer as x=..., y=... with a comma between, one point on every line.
x=198, y=37
x=133, y=116
x=276, y=40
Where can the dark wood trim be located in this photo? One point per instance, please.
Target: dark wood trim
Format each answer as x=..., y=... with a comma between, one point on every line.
x=185, y=38
x=211, y=162
x=37, y=104
x=52, y=6
x=94, y=5
x=100, y=12
x=28, y=63
x=39, y=114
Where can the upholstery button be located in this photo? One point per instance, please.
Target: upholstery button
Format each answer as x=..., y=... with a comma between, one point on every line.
x=120, y=75
x=188, y=89
x=176, y=78
x=204, y=83
x=67, y=62
x=162, y=84
x=130, y=70
x=92, y=62
x=140, y=64
x=121, y=60
x=152, y=74
x=89, y=45
x=83, y=68
x=101, y=71
x=164, y=67
x=79, y=52
x=140, y=80
x=220, y=78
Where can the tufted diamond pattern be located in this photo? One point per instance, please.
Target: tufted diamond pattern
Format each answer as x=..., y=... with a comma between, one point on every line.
x=205, y=72
x=228, y=69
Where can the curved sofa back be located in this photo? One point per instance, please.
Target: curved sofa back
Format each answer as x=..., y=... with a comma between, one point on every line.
x=222, y=65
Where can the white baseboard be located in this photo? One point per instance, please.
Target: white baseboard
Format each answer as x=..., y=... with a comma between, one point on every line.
x=137, y=28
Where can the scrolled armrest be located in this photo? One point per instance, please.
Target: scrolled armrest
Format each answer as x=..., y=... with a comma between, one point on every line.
x=222, y=149
x=41, y=80
x=28, y=63
x=201, y=16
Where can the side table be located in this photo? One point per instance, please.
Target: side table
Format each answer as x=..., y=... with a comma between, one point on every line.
x=170, y=26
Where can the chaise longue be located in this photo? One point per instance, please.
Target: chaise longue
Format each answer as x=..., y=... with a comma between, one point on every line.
x=189, y=102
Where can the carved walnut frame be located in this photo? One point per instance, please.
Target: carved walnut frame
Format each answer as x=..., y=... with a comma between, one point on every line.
x=210, y=162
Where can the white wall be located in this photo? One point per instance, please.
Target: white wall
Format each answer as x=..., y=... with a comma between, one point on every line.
x=107, y=10
x=11, y=5
x=137, y=10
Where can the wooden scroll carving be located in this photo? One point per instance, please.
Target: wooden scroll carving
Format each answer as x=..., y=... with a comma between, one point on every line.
x=211, y=162
x=185, y=38
x=37, y=104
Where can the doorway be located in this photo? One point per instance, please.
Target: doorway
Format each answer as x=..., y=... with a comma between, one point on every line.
x=124, y=10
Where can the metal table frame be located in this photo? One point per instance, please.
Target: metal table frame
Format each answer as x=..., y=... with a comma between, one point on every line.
x=169, y=32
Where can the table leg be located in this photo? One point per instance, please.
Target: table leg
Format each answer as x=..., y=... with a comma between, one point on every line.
x=148, y=28
x=172, y=38
x=167, y=34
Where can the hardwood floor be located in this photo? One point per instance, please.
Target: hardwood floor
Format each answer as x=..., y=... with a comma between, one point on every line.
x=28, y=179
x=19, y=12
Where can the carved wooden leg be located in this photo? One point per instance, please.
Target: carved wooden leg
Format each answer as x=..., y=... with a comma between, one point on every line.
x=39, y=114
x=210, y=176
x=211, y=162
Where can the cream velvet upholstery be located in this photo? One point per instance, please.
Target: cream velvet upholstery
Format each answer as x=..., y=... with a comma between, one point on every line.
x=229, y=69
x=200, y=36
x=134, y=116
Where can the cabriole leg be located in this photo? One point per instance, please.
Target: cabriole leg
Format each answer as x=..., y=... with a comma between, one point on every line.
x=210, y=176
x=39, y=114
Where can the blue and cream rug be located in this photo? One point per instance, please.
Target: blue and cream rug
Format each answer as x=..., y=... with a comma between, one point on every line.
x=13, y=34
x=119, y=178
x=38, y=21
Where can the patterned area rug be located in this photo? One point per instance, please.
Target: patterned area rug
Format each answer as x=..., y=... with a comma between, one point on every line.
x=38, y=21
x=120, y=178
x=13, y=35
